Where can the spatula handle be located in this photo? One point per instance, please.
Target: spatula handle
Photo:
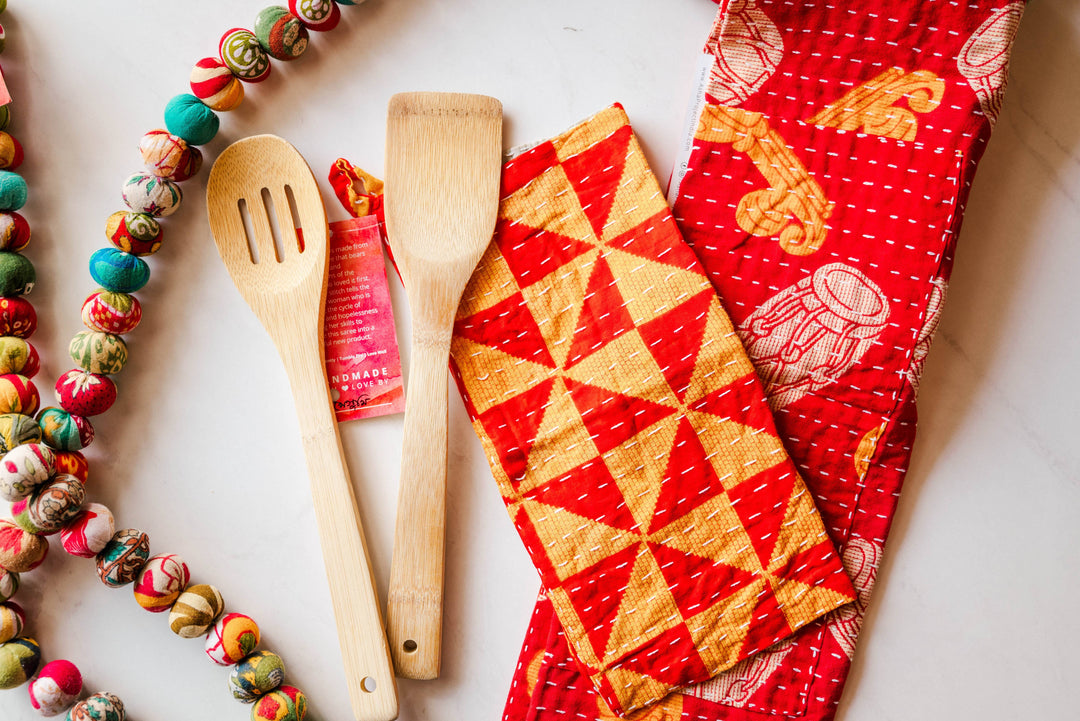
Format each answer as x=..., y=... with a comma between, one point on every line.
x=370, y=677
x=414, y=605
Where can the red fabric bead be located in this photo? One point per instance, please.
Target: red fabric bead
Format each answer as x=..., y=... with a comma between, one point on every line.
x=14, y=231
x=33, y=362
x=72, y=463
x=11, y=152
x=18, y=394
x=17, y=317
x=110, y=312
x=85, y=394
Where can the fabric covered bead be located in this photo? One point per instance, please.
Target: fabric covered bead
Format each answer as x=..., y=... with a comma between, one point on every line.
x=318, y=15
x=12, y=620
x=5, y=117
x=17, y=429
x=23, y=469
x=85, y=394
x=17, y=274
x=118, y=271
x=87, y=534
x=65, y=431
x=9, y=584
x=160, y=582
x=53, y=505
x=56, y=688
x=12, y=189
x=241, y=52
x=147, y=193
x=169, y=156
x=232, y=638
x=17, y=317
x=72, y=463
x=135, y=233
x=18, y=394
x=119, y=563
x=111, y=312
x=21, y=516
x=195, y=611
x=281, y=33
x=14, y=231
x=20, y=551
x=14, y=354
x=215, y=85
x=98, y=707
x=286, y=703
x=11, y=152
x=187, y=117
x=258, y=674
x=97, y=352
x=19, y=661
x=3, y=38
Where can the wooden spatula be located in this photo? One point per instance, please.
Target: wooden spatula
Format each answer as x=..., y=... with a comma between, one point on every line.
x=443, y=163
x=284, y=282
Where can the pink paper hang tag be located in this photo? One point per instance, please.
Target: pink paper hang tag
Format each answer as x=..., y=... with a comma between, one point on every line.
x=362, y=361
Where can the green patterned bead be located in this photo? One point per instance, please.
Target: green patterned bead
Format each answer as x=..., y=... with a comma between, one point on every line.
x=258, y=674
x=17, y=274
x=65, y=431
x=17, y=429
x=97, y=352
x=281, y=33
x=98, y=707
x=19, y=661
x=286, y=703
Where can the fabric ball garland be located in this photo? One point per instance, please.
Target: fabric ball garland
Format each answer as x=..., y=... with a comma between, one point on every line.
x=98, y=707
x=17, y=429
x=17, y=317
x=215, y=85
x=232, y=638
x=286, y=703
x=12, y=620
x=281, y=33
x=20, y=551
x=89, y=531
x=57, y=686
x=150, y=194
x=14, y=231
x=17, y=275
x=85, y=394
x=111, y=312
x=187, y=117
x=13, y=190
x=195, y=611
x=169, y=156
x=23, y=469
x=244, y=56
x=18, y=394
x=123, y=556
x=160, y=582
x=19, y=661
x=62, y=430
x=97, y=352
x=255, y=675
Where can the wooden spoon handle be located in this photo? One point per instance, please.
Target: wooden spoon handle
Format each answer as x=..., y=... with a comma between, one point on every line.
x=370, y=677
x=414, y=604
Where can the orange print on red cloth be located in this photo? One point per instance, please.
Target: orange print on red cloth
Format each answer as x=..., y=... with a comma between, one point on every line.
x=627, y=430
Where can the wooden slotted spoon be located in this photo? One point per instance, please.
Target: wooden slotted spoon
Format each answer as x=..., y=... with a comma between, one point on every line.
x=443, y=163
x=286, y=287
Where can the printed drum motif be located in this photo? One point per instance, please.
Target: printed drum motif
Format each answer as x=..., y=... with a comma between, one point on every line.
x=746, y=48
x=984, y=60
x=938, y=288
x=810, y=334
x=861, y=560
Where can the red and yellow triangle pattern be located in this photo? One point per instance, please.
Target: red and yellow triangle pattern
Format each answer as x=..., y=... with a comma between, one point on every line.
x=627, y=430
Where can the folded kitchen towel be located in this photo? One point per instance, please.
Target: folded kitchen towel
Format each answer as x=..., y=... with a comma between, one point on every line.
x=823, y=195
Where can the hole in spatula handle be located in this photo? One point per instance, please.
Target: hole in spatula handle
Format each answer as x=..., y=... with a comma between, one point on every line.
x=275, y=226
x=409, y=646
x=249, y=231
x=295, y=218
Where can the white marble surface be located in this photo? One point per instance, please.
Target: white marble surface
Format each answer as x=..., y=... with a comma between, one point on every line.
x=975, y=611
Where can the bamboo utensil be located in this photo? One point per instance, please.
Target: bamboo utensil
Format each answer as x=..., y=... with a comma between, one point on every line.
x=282, y=276
x=443, y=164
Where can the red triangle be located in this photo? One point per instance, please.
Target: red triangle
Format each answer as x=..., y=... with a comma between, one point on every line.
x=512, y=427
x=670, y=658
x=527, y=167
x=604, y=316
x=548, y=575
x=595, y=174
x=658, y=239
x=532, y=253
x=697, y=583
x=768, y=625
x=688, y=481
x=818, y=566
x=509, y=327
x=674, y=339
x=730, y=403
x=590, y=492
x=612, y=418
x=597, y=593
x=761, y=503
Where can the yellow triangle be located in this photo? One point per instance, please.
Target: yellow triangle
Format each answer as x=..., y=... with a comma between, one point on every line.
x=491, y=283
x=625, y=366
x=722, y=359
x=802, y=604
x=801, y=529
x=572, y=542
x=549, y=204
x=576, y=633
x=719, y=631
x=589, y=132
x=562, y=442
x=737, y=452
x=635, y=690
x=651, y=289
x=556, y=302
x=714, y=531
x=647, y=609
x=492, y=376
x=638, y=196
x=638, y=467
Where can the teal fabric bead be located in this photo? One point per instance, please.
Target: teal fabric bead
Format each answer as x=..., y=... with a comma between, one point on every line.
x=12, y=186
x=118, y=271
x=64, y=431
x=17, y=274
x=348, y=2
x=187, y=117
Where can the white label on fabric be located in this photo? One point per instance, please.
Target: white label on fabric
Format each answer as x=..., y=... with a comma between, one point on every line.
x=697, y=104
